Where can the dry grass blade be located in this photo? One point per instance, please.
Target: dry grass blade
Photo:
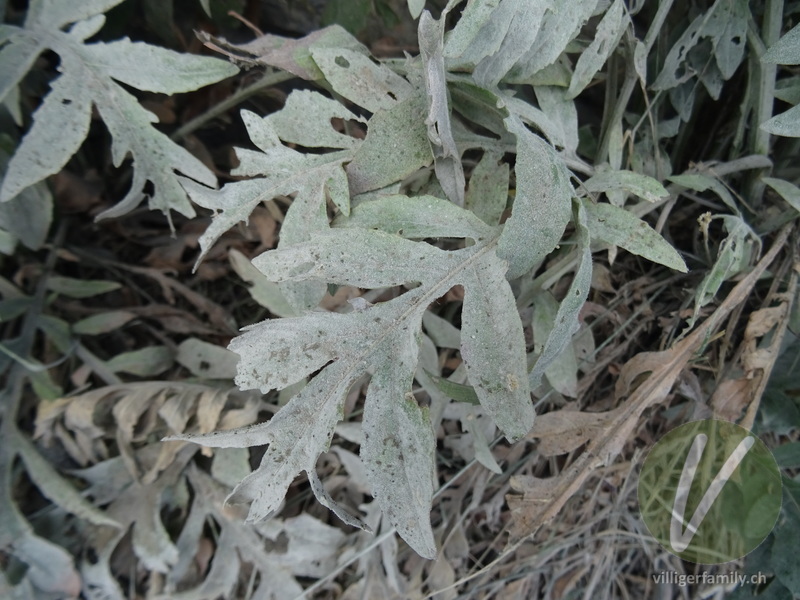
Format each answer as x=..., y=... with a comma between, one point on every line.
x=537, y=501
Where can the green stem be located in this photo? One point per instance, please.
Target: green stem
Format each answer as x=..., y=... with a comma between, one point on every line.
x=269, y=79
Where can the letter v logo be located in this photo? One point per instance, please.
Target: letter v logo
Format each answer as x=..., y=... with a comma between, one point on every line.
x=678, y=537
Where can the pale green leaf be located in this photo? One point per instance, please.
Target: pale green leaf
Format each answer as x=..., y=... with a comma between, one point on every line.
x=80, y=288
x=621, y=228
x=54, y=14
x=524, y=23
x=787, y=191
x=562, y=374
x=55, y=488
x=154, y=69
x=66, y=109
x=263, y=291
x=103, y=322
x=145, y=362
x=27, y=217
x=640, y=185
x=457, y=391
x=788, y=89
x=673, y=72
x=566, y=321
x=728, y=31
x=399, y=446
x=447, y=158
x=487, y=194
x=786, y=51
x=465, y=34
x=735, y=253
x=205, y=360
x=88, y=73
x=396, y=145
x=609, y=32
x=561, y=25
x=443, y=333
x=786, y=124
x=493, y=348
x=562, y=113
x=701, y=182
x=415, y=8
x=291, y=123
x=206, y=4
x=357, y=257
x=541, y=206
x=416, y=217
x=16, y=59
x=357, y=78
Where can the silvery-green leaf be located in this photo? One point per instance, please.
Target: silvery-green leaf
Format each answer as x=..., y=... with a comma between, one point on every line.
x=447, y=159
x=357, y=257
x=416, y=217
x=562, y=374
x=734, y=254
x=396, y=145
x=700, y=182
x=479, y=106
x=206, y=360
x=154, y=69
x=415, y=7
x=562, y=22
x=640, y=185
x=294, y=55
x=562, y=113
x=609, y=31
x=66, y=109
x=465, y=34
x=54, y=14
x=526, y=21
x=297, y=435
x=80, y=288
x=786, y=51
x=621, y=228
x=27, y=217
x=443, y=333
x=103, y=323
x=206, y=4
x=727, y=28
x=536, y=117
x=16, y=58
x=480, y=31
x=263, y=291
x=566, y=322
x=493, y=348
x=279, y=352
x=145, y=362
x=541, y=206
x=487, y=194
x=399, y=446
x=357, y=78
x=788, y=191
x=786, y=124
x=291, y=123
x=324, y=498
x=54, y=487
x=788, y=89
x=673, y=73
x=88, y=73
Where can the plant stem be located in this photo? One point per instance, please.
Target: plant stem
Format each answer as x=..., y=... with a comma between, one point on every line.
x=268, y=80
x=765, y=92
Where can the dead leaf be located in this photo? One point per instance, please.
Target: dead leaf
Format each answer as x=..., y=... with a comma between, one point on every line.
x=540, y=500
x=562, y=431
x=730, y=398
